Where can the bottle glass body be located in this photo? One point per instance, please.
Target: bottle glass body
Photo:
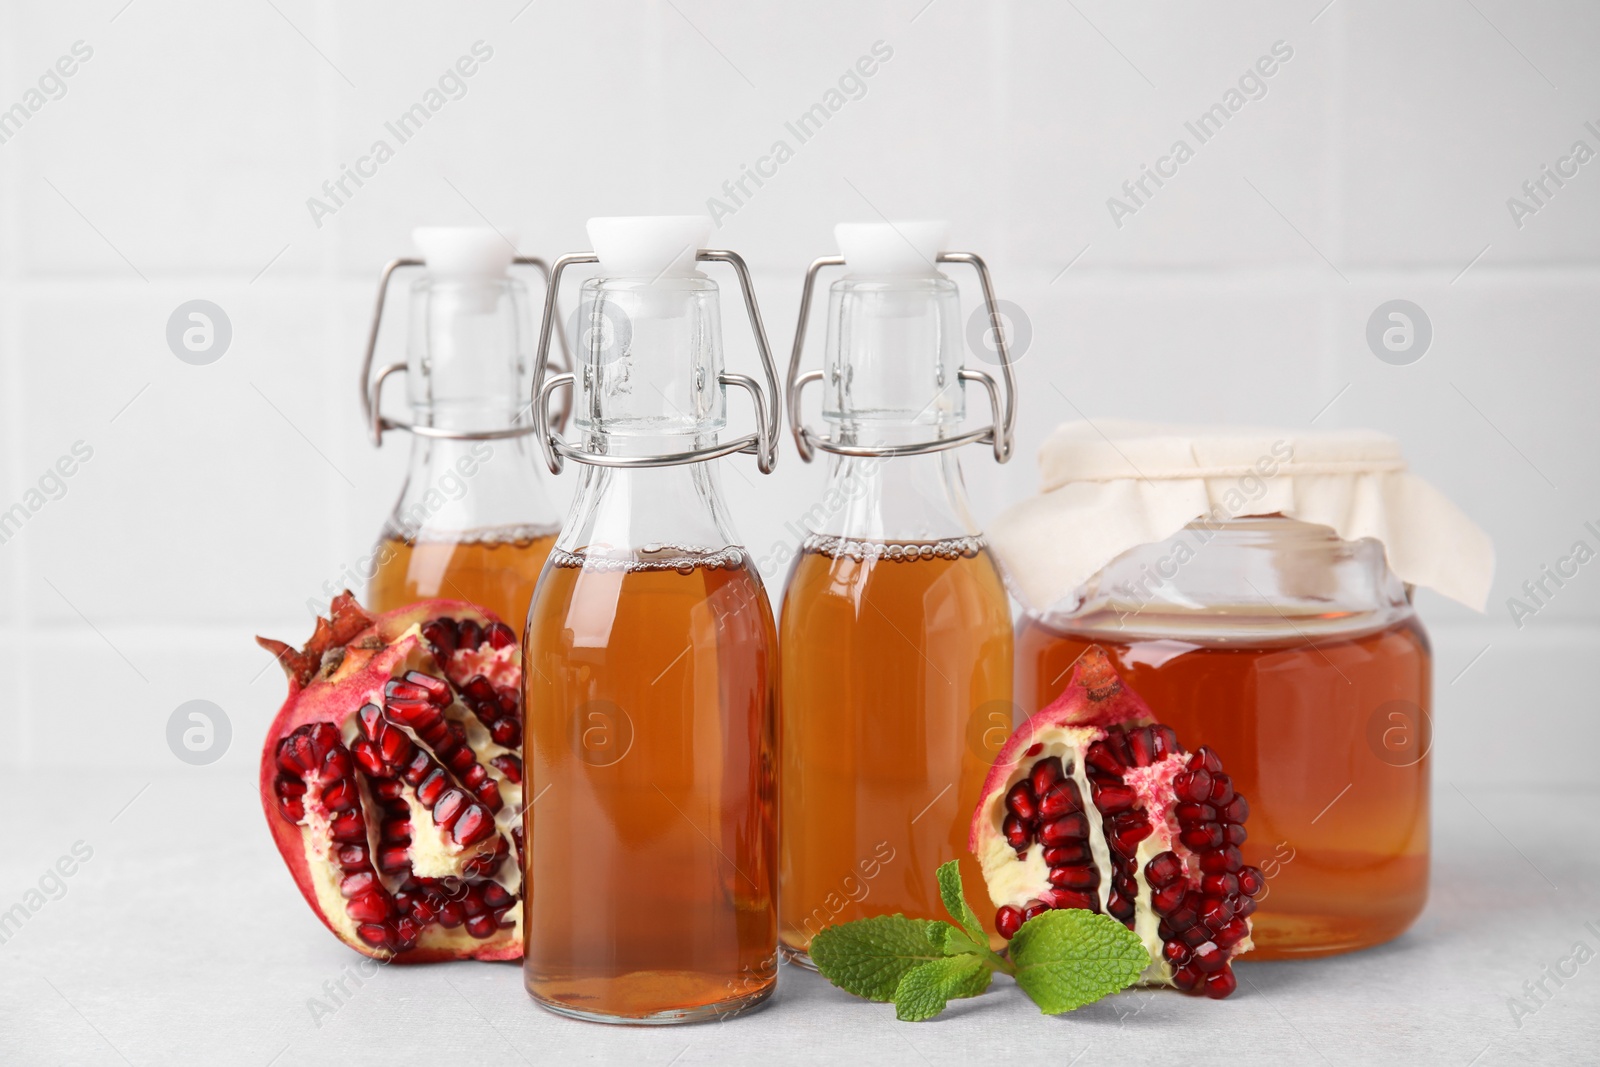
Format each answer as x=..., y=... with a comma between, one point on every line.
x=1299, y=659
x=896, y=633
x=650, y=745
x=473, y=522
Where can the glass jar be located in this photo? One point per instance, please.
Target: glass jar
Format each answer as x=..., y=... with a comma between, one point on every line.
x=1298, y=657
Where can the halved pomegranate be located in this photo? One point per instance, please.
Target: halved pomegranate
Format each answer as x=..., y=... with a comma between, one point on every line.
x=392, y=781
x=1156, y=846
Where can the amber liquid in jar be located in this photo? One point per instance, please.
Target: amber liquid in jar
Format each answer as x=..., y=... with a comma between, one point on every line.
x=1325, y=736
x=897, y=664
x=651, y=757
x=494, y=569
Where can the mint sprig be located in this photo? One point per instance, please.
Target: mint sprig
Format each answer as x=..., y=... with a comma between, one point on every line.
x=1061, y=959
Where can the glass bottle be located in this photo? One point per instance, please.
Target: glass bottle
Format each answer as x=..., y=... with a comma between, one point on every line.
x=473, y=522
x=896, y=630
x=1298, y=657
x=651, y=662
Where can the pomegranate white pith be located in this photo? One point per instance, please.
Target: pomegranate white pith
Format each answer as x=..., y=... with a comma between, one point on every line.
x=1092, y=804
x=392, y=781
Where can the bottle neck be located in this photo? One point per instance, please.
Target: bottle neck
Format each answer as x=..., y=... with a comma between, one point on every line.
x=631, y=513
x=460, y=490
x=903, y=498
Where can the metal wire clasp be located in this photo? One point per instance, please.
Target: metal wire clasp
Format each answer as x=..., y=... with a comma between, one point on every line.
x=1001, y=431
x=372, y=387
x=763, y=444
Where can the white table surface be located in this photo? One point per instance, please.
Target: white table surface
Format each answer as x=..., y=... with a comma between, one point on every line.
x=183, y=941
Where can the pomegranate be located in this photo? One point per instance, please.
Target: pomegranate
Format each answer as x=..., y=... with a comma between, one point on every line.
x=1156, y=845
x=392, y=779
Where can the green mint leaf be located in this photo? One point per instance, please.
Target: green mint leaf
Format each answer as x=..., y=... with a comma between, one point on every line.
x=1066, y=959
x=955, y=902
x=868, y=957
x=954, y=942
x=926, y=988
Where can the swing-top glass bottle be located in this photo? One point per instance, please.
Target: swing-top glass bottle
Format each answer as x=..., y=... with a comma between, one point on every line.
x=651, y=660
x=473, y=521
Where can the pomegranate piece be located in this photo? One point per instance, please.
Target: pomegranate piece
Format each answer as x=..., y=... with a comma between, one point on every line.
x=1155, y=846
x=388, y=788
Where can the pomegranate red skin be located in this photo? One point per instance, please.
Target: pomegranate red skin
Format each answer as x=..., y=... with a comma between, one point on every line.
x=370, y=647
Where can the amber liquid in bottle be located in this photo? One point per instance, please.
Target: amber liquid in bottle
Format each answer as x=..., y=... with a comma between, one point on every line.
x=1322, y=735
x=494, y=569
x=896, y=698
x=651, y=759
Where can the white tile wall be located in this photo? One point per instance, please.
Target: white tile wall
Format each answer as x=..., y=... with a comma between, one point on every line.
x=178, y=164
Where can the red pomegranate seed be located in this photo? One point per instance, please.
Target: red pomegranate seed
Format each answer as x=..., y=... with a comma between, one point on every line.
x=1117, y=742
x=1125, y=884
x=1068, y=855
x=481, y=926
x=1196, y=935
x=1070, y=898
x=1187, y=978
x=1244, y=908
x=510, y=766
x=1073, y=827
x=1221, y=984
x=1113, y=798
x=348, y=828
x=393, y=860
x=441, y=634
x=1167, y=899
x=1194, y=786
x=1017, y=835
x=429, y=788
x=1187, y=914
x=450, y=915
x=1119, y=906
x=1209, y=958
x=1046, y=773
x=449, y=807
x=500, y=636
x=1143, y=746
x=437, y=689
x=468, y=635
x=1034, y=750
x=472, y=825
x=1251, y=880
x=1020, y=802
x=1234, y=834
x=1202, y=837
x=1034, y=907
x=1205, y=757
x=506, y=732
x=369, y=908
x=1219, y=885
x=1231, y=933
x=1223, y=859
x=1126, y=833
x=1214, y=912
x=1190, y=813
x=373, y=934
x=1008, y=921
x=1175, y=953
x=1221, y=789
x=1236, y=810
x=1074, y=877
x=1163, y=869
x=1060, y=799
x=1102, y=758
x=1168, y=738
